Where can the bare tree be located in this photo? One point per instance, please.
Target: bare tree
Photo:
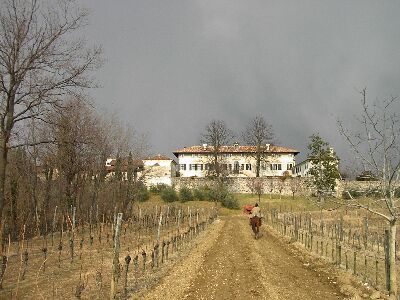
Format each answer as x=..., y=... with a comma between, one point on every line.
x=258, y=133
x=216, y=135
x=75, y=132
x=294, y=185
x=41, y=61
x=377, y=146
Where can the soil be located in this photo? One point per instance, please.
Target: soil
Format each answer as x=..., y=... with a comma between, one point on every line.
x=229, y=263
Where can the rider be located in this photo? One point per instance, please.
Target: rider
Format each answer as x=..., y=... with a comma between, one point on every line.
x=255, y=218
x=256, y=211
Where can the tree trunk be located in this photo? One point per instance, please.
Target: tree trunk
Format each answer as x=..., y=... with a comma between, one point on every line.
x=216, y=165
x=14, y=197
x=3, y=167
x=392, y=258
x=47, y=196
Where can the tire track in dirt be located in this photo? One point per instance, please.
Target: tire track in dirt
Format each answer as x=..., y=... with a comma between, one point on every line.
x=240, y=267
x=229, y=270
x=287, y=274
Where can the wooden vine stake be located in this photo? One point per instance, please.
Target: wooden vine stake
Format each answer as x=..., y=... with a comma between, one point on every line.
x=159, y=228
x=115, y=267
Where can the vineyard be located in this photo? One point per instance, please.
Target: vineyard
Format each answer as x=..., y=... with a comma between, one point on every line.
x=96, y=256
x=350, y=239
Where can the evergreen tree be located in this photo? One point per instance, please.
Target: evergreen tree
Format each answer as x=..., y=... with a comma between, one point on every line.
x=324, y=166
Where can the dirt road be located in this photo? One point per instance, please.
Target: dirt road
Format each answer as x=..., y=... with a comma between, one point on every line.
x=228, y=263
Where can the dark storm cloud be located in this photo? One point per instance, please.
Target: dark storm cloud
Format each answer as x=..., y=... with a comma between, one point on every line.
x=171, y=66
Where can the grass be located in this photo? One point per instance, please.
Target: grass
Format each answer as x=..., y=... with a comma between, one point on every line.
x=285, y=203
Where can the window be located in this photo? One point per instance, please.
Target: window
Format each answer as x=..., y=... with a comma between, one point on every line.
x=193, y=167
x=289, y=166
x=230, y=167
x=276, y=167
x=200, y=167
x=183, y=167
x=248, y=167
x=242, y=167
x=263, y=166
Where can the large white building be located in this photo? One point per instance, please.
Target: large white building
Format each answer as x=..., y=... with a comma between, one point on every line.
x=302, y=169
x=158, y=170
x=236, y=160
x=151, y=171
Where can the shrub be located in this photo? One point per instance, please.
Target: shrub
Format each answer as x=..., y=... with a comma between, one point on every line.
x=143, y=195
x=221, y=194
x=229, y=201
x=199, y=194
x=376, y=193
x=185, y=194
x=353, y=193
x=169, y=194
x=218, y=193
x=158, y=188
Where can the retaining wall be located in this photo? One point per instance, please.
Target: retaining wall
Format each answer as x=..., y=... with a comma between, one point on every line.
x=299, y=186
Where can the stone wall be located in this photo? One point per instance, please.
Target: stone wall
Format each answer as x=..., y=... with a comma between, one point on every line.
x=362, y=185
x=298, y=185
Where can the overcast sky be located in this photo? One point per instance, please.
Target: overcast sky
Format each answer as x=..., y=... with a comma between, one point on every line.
x=172, y=66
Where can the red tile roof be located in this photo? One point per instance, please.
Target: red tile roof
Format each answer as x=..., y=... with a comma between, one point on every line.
x=234, y=149
x=137, y=164
x=158, y=157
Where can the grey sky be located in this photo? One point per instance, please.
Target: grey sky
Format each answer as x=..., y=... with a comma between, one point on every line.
x=172, y=66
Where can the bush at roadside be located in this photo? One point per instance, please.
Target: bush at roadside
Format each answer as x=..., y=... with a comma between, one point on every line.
x=169, y=195
x=158, y=188
x=199, y=194
x=142, y=195
x=185, y=194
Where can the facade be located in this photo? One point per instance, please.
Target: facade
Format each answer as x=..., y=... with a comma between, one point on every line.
x=111, y=165
x=158, y=170
x=151, y=170
x=302, y=169
x=235, y=161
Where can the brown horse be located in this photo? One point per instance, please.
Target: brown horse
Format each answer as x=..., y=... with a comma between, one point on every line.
x=255, y=226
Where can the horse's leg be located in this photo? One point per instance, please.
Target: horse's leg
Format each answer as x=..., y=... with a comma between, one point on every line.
x=258, y=228
x=254, y=227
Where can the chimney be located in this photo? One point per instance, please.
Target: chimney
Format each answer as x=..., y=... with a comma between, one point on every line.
x=236, y=144
x=204, y=146
x=267, y=146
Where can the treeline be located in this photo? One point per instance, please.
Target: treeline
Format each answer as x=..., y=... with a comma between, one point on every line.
x=67, y=168
x=53, y=142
